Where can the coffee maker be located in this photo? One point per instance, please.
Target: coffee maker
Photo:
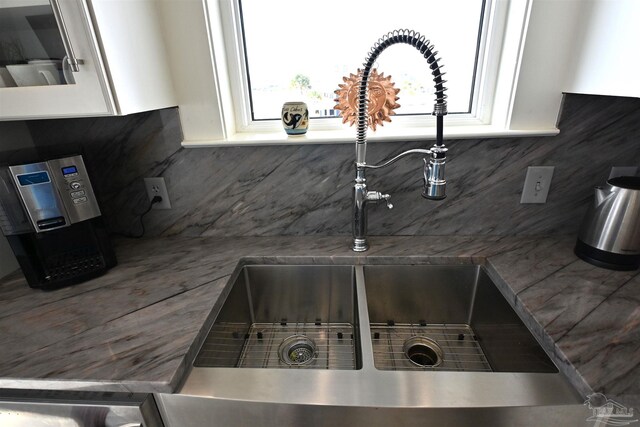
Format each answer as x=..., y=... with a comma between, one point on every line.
x=51, y=219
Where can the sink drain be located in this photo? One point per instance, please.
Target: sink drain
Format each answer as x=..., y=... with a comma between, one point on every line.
x=423, y=351
x=297, y=350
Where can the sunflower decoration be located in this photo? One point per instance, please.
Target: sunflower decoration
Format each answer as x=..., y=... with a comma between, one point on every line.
x=382, y=98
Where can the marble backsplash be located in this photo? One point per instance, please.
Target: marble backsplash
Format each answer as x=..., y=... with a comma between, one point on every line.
x=306, y=189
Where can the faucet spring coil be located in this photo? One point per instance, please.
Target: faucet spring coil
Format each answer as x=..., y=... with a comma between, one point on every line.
x=425, y=47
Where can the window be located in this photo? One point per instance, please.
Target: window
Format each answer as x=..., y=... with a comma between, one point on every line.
x=303, y=49
x=278, y=53
x=509, y=83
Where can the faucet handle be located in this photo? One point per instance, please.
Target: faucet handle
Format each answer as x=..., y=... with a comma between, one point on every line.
x=386, y=198
x=376, y=196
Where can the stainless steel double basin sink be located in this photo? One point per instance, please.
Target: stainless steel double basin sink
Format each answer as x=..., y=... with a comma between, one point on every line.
x=384, y=336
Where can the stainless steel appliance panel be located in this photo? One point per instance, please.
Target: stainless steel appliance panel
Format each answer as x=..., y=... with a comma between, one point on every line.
x=55, y=193
x=46, y=408
x=191, y=411
x=40, y=197
x=13, y=218
x=76, y=192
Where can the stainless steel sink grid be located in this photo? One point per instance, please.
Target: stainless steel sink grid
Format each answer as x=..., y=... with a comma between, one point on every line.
x=460, y=350
x=463, y=297
x=293, y=317
x=412, y=336
x=265, y=346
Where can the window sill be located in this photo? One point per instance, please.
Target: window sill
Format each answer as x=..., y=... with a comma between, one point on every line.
x=348, y=136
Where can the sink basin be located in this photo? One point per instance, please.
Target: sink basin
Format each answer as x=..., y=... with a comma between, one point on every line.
x=386, y=336
x=277, y=316
x=433, y=317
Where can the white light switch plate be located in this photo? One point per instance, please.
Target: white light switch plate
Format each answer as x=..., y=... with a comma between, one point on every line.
x=536, y=184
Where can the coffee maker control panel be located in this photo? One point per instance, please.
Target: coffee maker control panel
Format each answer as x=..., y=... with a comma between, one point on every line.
x=55, y=193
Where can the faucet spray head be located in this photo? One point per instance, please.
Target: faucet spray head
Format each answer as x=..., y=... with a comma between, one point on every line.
x=434, y=183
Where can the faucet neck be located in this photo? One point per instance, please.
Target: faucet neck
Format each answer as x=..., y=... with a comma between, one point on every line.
x=425, y=47
x=439, y=131
x=433, y=169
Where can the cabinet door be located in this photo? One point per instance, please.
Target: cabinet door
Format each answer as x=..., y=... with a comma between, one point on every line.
x=38, y=41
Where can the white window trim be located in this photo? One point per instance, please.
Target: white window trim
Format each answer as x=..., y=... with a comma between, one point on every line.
x=235, y=54
x=526, y=93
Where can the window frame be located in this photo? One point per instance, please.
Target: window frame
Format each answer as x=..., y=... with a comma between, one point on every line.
x=235, y=53
x=239, y=48
x=522, y=96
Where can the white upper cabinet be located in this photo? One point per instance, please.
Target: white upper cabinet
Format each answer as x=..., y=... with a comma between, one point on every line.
x=76, y=58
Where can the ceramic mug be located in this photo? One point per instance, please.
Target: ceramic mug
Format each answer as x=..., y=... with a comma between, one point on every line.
x=295, y=118
x=35, y=74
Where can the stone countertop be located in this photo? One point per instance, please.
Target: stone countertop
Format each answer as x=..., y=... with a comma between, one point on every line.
x=137, y=327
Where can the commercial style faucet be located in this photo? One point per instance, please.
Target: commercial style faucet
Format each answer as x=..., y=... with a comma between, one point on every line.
x=434, y=182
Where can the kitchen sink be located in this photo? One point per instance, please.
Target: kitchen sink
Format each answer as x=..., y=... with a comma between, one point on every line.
x=383, y=335
x=434, y=317
x=294, y=317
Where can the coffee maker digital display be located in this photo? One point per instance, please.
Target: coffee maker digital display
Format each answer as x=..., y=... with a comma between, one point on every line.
x=69, y=171
x=51, y=218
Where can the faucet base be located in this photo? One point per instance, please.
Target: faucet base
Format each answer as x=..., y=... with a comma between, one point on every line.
x=427, y=196
x=360, y=245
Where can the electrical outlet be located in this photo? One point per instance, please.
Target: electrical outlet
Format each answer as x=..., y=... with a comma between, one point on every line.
x=536, y=184
x=157, y=187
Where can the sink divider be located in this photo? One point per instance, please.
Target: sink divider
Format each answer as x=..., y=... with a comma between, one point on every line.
x=363, y=317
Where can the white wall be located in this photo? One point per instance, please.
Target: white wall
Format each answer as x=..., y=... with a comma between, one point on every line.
x=8, y=262
x=606, y=61
x=575, y=46
x=186, y=34
x=546, y=60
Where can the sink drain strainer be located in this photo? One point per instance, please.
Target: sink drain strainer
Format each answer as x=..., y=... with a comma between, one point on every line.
x=423, y=351
x=297, y=350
